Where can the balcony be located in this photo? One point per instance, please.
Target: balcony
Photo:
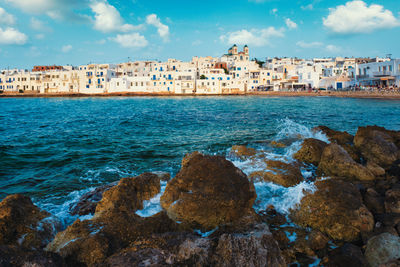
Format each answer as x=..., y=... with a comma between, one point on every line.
x=382, y=73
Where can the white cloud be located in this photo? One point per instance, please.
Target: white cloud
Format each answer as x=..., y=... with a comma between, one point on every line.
x=40, y=36
x=197, y=42
x=108, y=19
x=10, y=36
x=307, y=7
x=304, y=44
x=357, y=17
x=162, y=29
x=39, y=25
x=291, y=24
x=56, y=9
x=255, y=37
x=333, y=49
x=6, y=18
x=66, y=48
x=274, y=11
x=131, y=40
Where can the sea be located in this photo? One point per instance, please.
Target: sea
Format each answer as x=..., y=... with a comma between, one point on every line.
x=57, y=149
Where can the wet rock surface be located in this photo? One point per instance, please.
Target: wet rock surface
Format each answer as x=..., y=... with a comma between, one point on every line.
x=335, y=161
x=24, y=224
x=337, y=209
x=207, y=192
x=311, y=151
x=242, y=152
x=278, y=172
x=382, y=248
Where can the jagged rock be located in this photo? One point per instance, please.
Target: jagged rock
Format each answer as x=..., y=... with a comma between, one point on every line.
x=335, y=161
x=374, y=202
x=311, y=151
x=278, y=144
x=336, y=209
x=338, y=137
x=242, y=152
x=12, y=256
x=392, y=263
x=346, y=255
x=115, y=224
x=317, y=240
x=278, y=172
x=164, y=176
x=88, y=202
x=382, y=249
x=375, y=169
x=376, y=145
x=392, y=200
x=129, y=194
x=207, y=192
x=22, y=223
x=254, y=248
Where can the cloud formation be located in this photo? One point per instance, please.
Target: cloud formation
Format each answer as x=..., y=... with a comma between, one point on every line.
x=291, y=24
x=11, y=36
x=357, y=17
x=108, y=19
x=66, y=48
x=130, y=40
x=162, y=29
x=304, y=44
x=255, y=37
x=6, y=18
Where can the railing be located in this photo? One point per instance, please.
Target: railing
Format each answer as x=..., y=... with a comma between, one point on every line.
x=382, y=73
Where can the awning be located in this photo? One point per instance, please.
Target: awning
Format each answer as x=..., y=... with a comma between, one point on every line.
x=388, y=78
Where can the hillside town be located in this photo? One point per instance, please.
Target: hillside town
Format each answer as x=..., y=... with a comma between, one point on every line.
x=232, y=73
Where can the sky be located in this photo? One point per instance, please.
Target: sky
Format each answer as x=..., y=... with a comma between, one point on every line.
x=78, y=32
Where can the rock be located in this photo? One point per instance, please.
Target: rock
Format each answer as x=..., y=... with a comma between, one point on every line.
x=278, y=172
x=255, y=248
x=382, y=249
x=164, y=176
x=311, y=151
x=317, y=240
x=88, y=202
x=17, y=256
x=22, y=223
x=374, y=202
x=129, y=194
x=346, y=255
x=338, y=137
x=336, y=209
x=392, y=263
x=277, y=144
x=207, y=192
x=115, y=224
x=375, y=169
x=392, y=200
x=242, y=152
x=376, y=146
x=335, y=161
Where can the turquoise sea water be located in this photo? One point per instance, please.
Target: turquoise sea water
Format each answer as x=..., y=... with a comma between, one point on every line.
x=55, y=149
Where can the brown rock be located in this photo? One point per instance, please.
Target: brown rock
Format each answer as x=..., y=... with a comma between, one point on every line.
x=392, y=263
x=22, y=223
x=242, y=152
x=317, y=240
x=375, y=169
x=336, y=209
x=376, y=145
x=338, y=137
x=255, y=248
x=278, y=172
x=129, y=194
x=311, y=151
x=115, y=224
x=17, y=256
x=335, y=161
x=374, y=201
x=278, y=144
x=88, y=202
x=346, y=255
x=392, y=200
x=207, y=192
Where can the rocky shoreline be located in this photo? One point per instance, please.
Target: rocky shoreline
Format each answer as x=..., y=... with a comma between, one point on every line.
x=207, y=217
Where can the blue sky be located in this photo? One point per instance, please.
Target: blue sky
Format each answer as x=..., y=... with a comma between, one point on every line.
x=40, y=32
